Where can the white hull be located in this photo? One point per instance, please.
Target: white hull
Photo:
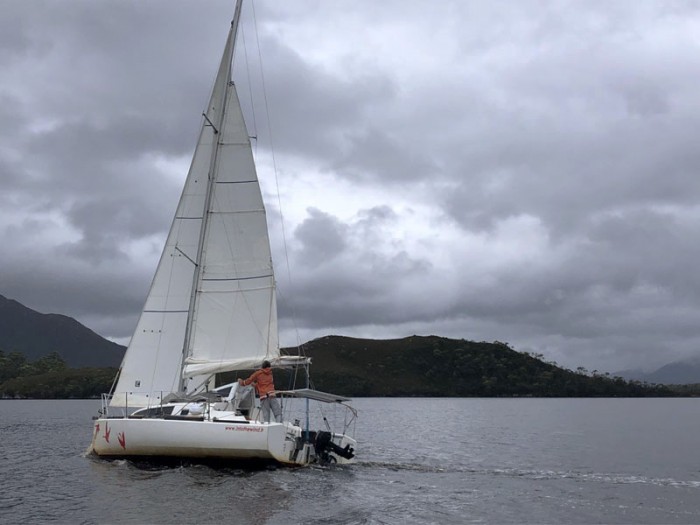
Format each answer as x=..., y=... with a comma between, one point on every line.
x=153, y=437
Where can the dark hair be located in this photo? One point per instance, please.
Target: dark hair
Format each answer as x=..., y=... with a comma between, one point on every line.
x=266, y=364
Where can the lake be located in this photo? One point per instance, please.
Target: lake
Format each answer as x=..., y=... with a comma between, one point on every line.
x=419, y=461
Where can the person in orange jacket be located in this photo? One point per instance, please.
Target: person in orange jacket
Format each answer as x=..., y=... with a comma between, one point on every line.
x=265, y=387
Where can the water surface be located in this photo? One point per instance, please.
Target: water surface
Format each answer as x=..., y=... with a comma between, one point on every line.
x=419, y=461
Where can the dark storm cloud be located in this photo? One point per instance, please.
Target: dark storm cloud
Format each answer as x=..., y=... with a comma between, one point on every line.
x=356, y=283
x=313, y=111
x=489, y=170
x=322, y=237
x=89, y=100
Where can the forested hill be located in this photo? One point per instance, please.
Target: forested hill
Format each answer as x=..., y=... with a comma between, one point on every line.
x=437, y=366
x=36, y=335
x=413, y=366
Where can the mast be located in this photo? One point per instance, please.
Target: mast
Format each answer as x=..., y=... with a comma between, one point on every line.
x=217, y=110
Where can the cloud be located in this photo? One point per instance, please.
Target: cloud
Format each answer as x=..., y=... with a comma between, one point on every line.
x=521, y=172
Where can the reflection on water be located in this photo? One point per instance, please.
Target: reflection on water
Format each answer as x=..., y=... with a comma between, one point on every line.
x=419, y=461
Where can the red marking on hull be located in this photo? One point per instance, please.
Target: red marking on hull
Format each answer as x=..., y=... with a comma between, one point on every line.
x=122, y=439
x=107, y=432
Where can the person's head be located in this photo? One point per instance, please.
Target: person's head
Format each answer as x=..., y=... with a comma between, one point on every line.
x=266, y=364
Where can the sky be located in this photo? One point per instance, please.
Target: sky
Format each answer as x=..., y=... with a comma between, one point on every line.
x=525, y=172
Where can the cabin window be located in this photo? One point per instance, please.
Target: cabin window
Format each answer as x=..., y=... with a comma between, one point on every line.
x=154, y=412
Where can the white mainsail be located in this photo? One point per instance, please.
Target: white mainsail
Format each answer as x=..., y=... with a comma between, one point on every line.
x=212, y=304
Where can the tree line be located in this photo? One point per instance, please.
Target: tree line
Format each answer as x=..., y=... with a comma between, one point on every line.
x=50, y=378
x=441, y=367
x=413, y=366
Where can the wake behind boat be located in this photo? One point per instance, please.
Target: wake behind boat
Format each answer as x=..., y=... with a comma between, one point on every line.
x=212, y=309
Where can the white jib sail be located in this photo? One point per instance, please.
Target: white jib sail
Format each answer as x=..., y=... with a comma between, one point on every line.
x=235, y=316
x=232, y=316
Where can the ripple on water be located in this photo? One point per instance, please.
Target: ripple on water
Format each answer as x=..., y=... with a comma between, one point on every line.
x=504, y=461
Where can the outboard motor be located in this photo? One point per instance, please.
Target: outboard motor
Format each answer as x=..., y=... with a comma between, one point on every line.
x=324, y=446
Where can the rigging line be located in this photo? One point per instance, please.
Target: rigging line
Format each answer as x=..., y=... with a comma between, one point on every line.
x=185, y=255
x=250, y=88
x=216, y=131
x=274, y=169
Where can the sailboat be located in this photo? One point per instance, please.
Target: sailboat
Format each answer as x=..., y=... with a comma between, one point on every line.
x=212, y=309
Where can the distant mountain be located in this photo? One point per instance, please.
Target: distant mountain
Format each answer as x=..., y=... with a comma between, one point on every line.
x=680, y=372
x=35, y=335
x=686, y=371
